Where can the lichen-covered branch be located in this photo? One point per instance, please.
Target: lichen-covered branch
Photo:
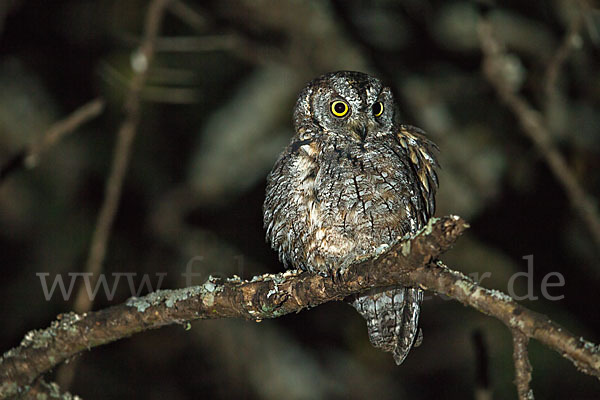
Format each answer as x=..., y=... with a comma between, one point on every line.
x=267, y=296
x=41, y=389
x=409, y=262
x=440, y=279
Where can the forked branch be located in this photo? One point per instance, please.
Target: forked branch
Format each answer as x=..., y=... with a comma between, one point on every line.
x=410, y=262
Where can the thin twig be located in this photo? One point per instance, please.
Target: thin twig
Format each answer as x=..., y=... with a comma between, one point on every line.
x=122, y=152
x=534, y=127
x=408, y=263
x=570, y=41
x=190, y=44
x=188, y=15
x=239, y=45
x=483, y=389
x=30, y=156
x=170, y=95
x=522, y=365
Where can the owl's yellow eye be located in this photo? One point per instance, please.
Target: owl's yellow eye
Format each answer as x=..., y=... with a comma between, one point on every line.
x=339, y=108
x=378, y=109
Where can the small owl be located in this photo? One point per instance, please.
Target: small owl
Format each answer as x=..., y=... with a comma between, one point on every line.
x=351, y=182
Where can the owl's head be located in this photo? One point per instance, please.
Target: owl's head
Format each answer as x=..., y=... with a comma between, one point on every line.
x=347, y=103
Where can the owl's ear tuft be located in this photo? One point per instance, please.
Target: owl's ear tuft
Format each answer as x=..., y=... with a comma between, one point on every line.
x=303, y=107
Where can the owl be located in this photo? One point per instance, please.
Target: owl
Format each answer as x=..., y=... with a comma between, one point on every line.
x=352, y=182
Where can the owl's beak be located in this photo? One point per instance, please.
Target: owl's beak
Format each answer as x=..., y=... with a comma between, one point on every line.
x=361, y=131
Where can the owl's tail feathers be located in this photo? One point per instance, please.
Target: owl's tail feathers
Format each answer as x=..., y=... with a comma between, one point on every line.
x=392, y=316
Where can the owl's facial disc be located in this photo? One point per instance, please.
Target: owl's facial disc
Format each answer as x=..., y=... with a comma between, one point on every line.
x=345, y=103
x=366, y=98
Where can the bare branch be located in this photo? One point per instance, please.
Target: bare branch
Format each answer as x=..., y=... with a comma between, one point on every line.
x=122, y=152
x=188, y=14
x=408, y=263
x=114, y=183
x=30, y=156
x=570, y=41
x=534, y=127
x=191, y=44
x=482, y=378
x=522, y=365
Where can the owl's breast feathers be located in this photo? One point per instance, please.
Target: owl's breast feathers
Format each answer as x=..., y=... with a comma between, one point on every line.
x=327, y=203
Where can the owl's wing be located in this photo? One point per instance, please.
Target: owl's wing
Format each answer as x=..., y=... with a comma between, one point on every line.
x=284, y=208
x=276, y=208
x=421, y=152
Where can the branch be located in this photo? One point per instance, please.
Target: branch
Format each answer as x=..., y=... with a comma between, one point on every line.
x=440, y=279
x=522, y=365
x=482, y=374
x=571, y=41
x=188, y=14
x=122, y=153
x=41, y=389
x=408, y=263
x=29, y=157
x=267, y=296
x=534, y=127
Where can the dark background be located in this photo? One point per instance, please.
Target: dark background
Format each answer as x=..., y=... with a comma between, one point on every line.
x=217, y=111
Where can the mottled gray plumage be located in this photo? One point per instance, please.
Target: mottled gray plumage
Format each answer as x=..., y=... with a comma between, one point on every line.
x=350, y=183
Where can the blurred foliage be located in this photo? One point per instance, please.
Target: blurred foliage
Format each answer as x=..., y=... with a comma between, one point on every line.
x=217, y=111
